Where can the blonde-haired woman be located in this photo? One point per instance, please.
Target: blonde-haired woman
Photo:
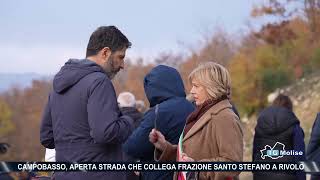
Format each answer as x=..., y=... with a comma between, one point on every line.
x=212, y=132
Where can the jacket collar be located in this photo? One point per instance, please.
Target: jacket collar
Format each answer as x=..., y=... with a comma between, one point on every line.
x=207, y=117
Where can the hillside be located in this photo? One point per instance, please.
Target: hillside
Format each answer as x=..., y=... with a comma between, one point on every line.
x=21, y=80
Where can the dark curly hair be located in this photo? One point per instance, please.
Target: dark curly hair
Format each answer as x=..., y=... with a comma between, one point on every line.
x=107, y=36
x=283, y=101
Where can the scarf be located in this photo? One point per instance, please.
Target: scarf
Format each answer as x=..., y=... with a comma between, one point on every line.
x=200, y=111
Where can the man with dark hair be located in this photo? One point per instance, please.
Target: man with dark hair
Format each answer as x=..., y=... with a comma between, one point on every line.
x=82, y=120
x=107, y=47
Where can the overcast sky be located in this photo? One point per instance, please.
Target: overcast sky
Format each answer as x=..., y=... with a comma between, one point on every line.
x=40, y=35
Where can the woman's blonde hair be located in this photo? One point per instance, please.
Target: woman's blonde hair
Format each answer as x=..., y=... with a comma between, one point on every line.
x=214, y=78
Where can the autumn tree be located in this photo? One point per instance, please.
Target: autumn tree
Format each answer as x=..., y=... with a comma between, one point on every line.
x=287, y=9
x=26, y=109
x=6, y=125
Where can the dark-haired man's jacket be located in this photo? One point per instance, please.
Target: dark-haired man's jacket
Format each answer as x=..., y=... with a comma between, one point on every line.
x=82, y=120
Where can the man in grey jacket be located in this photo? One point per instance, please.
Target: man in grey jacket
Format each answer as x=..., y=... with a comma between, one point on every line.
x=82, y=120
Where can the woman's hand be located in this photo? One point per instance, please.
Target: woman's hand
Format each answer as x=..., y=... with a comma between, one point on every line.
x=157, y=139
x=186, y=158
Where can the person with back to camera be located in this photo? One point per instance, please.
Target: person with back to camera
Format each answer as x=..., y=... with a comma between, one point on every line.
x=278, y=124
x=168, y=111
x=127, y=105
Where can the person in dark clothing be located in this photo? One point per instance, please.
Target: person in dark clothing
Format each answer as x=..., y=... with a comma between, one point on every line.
x=277, y=126
x=127, y=105
x=168, y=111
x=314, y=146
x=82, y=120
x=133, y=113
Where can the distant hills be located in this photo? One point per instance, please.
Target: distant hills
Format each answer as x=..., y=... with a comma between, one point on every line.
x=21, y=80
